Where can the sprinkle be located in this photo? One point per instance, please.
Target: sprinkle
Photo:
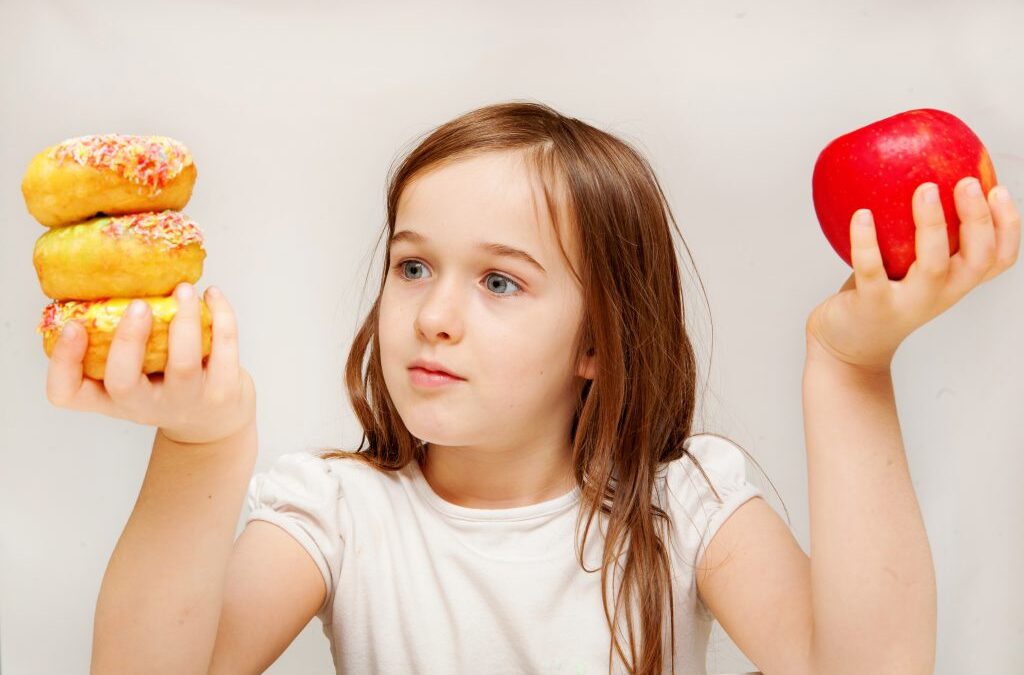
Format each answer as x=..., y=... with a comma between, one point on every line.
x=56, y=314
x=152, y=161
x=103, y=314
x=173, y=228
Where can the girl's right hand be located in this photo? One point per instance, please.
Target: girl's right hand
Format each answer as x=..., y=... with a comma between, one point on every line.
x=189, y=403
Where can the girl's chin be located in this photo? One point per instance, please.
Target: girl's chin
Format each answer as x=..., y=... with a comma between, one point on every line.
x=435, y=431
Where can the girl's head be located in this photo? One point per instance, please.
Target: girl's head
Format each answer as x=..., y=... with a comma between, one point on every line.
x=483, y=282
x=532, y=254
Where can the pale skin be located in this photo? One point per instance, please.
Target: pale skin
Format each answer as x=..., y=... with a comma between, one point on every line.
x=188, y=402
x=863, y=602
x=501, y=438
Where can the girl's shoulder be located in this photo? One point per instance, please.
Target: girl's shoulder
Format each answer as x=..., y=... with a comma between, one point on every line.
x=717, y=457
x=703, y=487
x=312, y=474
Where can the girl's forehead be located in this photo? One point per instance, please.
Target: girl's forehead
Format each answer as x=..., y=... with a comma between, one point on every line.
x=495, y=196
x=491, y=180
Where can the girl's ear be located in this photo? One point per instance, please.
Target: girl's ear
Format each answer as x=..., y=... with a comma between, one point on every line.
x=588, y=366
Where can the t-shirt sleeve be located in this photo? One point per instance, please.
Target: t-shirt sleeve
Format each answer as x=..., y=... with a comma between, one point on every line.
x=696, y=502
x=301, y=495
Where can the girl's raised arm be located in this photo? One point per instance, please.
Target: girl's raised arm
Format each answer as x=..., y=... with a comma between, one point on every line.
x=160, y=600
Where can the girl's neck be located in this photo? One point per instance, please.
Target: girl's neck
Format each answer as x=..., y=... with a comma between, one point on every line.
x=498, y=479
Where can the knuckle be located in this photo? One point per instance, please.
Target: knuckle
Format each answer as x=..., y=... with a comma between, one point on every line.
x=988, y=249
x=118, y=386
x=130, y=331
x=933, y=270
x=982, y=253
x=182, y=369
x=978, y=267
x=118, y=390
x=184, y=316
x=224, y=324
x=983, y=221
x=217, y=397
x=227, y=327
x=119, y=382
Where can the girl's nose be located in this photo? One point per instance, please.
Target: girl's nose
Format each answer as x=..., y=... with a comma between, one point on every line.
x=440, y=316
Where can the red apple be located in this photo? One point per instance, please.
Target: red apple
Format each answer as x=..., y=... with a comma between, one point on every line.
x=879, y=167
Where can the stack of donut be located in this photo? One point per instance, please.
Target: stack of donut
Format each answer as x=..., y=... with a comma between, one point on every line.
x=112, y=204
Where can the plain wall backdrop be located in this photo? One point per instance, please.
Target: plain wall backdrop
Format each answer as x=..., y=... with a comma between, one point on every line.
x=294, y=113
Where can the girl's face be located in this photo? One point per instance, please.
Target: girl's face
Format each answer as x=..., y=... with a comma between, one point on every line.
x=501, y=322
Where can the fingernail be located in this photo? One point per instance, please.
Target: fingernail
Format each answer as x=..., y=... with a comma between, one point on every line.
x=137, y=308
x=184, y=291
x=931, y=193
x=1002, y=194
x=69, y=331
x=974, y=187
x=863, y=218
x=213, y=292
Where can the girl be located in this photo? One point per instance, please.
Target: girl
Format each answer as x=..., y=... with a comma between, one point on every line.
x=529, y=496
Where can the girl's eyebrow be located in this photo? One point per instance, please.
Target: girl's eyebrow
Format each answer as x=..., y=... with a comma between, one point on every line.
x=493, y=247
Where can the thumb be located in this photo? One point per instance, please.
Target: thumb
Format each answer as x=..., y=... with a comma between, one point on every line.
x=71, y=343
x=64, y=376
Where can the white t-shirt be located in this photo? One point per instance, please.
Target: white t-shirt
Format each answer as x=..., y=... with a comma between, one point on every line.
x=417, y=584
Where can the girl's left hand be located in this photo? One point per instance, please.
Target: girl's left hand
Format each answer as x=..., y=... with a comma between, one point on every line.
x=869, y=317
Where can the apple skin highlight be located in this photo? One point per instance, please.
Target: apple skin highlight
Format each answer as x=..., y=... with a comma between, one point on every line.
x=879, y=166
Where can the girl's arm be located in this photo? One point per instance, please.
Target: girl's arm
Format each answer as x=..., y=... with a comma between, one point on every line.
x=872, y=576
x=161, y=596
x=160, y=600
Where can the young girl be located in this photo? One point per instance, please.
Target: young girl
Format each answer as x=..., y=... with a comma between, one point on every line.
x=530, y=497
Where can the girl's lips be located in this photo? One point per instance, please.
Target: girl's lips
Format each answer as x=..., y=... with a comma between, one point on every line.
x=427, y=378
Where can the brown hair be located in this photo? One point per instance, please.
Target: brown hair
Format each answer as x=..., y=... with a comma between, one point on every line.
x=637, y=411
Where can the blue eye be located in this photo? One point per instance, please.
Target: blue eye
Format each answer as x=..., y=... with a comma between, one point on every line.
x=497, y=288
x=401, y=266
x=503, y=282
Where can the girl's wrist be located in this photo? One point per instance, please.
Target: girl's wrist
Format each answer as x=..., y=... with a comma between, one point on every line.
x=193, y=438
x=818, y=353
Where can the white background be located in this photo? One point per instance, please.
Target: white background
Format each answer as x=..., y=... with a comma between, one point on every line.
x=294, y=112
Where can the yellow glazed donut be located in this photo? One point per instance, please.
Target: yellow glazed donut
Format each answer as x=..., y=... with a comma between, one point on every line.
x=110, y=174
x=100, y=318
x=138, y=255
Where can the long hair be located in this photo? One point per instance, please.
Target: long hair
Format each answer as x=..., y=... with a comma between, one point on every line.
x=637, y=411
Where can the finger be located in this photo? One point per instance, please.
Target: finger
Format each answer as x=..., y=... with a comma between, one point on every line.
x=869, y=272
x=222, y=366
x=977, y=252
x=930, y=268
x=183, y=373
x=64, y=373
x=123, y=377
x=1007, y=226
x=65, y=386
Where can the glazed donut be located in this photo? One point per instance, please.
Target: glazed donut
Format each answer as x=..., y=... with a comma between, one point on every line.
x=110, y=174
x=138, y=255
x=100, y=318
